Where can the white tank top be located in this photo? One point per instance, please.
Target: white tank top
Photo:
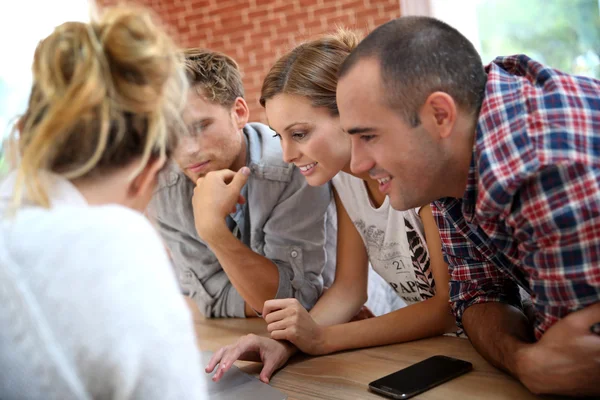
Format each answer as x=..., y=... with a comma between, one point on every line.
x=395, y=240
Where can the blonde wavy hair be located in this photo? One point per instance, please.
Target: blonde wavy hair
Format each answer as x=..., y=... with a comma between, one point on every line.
x=311, y=69
x=104, y=94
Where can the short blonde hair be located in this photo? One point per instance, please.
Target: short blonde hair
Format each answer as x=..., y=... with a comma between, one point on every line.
x=217, y=74
x=104, y=94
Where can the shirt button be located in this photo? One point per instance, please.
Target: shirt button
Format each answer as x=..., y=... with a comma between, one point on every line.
x=172, y=178
x=294, y=254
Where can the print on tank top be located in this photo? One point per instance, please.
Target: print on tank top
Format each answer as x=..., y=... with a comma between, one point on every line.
x=421, y=262
x=410, y=276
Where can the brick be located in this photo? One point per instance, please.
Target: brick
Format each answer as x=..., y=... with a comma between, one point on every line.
x=308, y=3
x=232, y=9
x=369, y=12
x=199, y=24
x=281, y=41
x=371, y=22
x=392, y=8
x=289, y=27
x=329, y=9
x=227, y=29
x=245, y=18
x=247, y=39
x=353, y=5
x=239, y=35
x=254, y=47
x=284, y=9
x=235, y=21
x=258, y=13
x=312, y=25
x=225, y=4
x=380, y=21
x=300, y=16
x=252, y=70
x=216, y=44
x=266, y=44
x=324, y=21
x=256, y=32
x=345, y=21
x=179, y=9
x=200, y=16
x=198, y=4
x=251, y=59
x=239, y=52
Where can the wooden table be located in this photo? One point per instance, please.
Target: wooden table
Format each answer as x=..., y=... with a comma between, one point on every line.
x=346, y=375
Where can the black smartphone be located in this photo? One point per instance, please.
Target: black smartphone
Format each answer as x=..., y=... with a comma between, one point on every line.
x=419, y=377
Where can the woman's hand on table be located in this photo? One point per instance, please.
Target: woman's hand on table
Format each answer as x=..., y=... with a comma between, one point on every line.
x=272, y=353
x=288, y=320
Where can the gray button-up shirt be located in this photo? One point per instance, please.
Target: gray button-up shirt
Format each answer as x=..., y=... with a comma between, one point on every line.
x=284, y=219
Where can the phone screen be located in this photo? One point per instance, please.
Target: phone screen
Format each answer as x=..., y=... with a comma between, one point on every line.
x=420, y=377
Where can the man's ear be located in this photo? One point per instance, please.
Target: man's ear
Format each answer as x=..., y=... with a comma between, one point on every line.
x=142, y=186
x=439, y=114
x=240, y=112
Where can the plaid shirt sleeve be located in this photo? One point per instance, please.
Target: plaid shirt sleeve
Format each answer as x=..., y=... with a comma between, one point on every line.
x=473, y=278
x=557, y=222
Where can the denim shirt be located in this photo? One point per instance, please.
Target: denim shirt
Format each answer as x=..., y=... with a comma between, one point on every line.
x=284, y=219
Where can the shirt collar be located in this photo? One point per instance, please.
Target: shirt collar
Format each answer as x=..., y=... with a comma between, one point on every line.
x=501, y=87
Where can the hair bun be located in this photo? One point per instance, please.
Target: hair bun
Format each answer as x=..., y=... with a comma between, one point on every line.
x=104, y=94
x=140, y=58
x=347, y=38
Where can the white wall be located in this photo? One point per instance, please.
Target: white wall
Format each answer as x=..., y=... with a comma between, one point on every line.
x=23, y=24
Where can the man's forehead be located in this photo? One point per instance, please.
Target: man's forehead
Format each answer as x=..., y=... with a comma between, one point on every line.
x=360, y=88
x=364, y=75
x=197, y=95
x=199, y=105
x=366, y=68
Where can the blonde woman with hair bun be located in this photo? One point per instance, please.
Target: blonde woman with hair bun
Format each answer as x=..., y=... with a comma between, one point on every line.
x=299, y=96
x=89, y=305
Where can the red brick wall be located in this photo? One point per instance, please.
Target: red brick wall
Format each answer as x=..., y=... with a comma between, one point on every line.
x=256, y=32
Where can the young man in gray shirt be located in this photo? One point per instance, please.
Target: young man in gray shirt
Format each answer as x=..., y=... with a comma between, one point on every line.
x=242, y=226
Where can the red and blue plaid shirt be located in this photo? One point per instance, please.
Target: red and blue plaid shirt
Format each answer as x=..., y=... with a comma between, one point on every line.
x=531, y=212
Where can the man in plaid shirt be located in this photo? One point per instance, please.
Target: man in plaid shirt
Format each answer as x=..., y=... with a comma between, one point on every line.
x=509, y=155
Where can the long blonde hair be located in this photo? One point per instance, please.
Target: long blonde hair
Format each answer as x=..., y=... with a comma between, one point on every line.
x=310, y=70
x=104, y=94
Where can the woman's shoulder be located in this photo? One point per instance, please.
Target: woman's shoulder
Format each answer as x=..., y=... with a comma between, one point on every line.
x=115, y=221
x=107, y=272
x=92, y=235
x=114, y=224
x=99, y=252
x=120, y=232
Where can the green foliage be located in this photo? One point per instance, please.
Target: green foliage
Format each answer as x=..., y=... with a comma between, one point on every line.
x=564, y=34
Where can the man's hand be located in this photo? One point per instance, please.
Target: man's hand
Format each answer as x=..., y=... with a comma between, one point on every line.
x=216, y=195
x=272, y=353
x=288, y=320
x=566, y=360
